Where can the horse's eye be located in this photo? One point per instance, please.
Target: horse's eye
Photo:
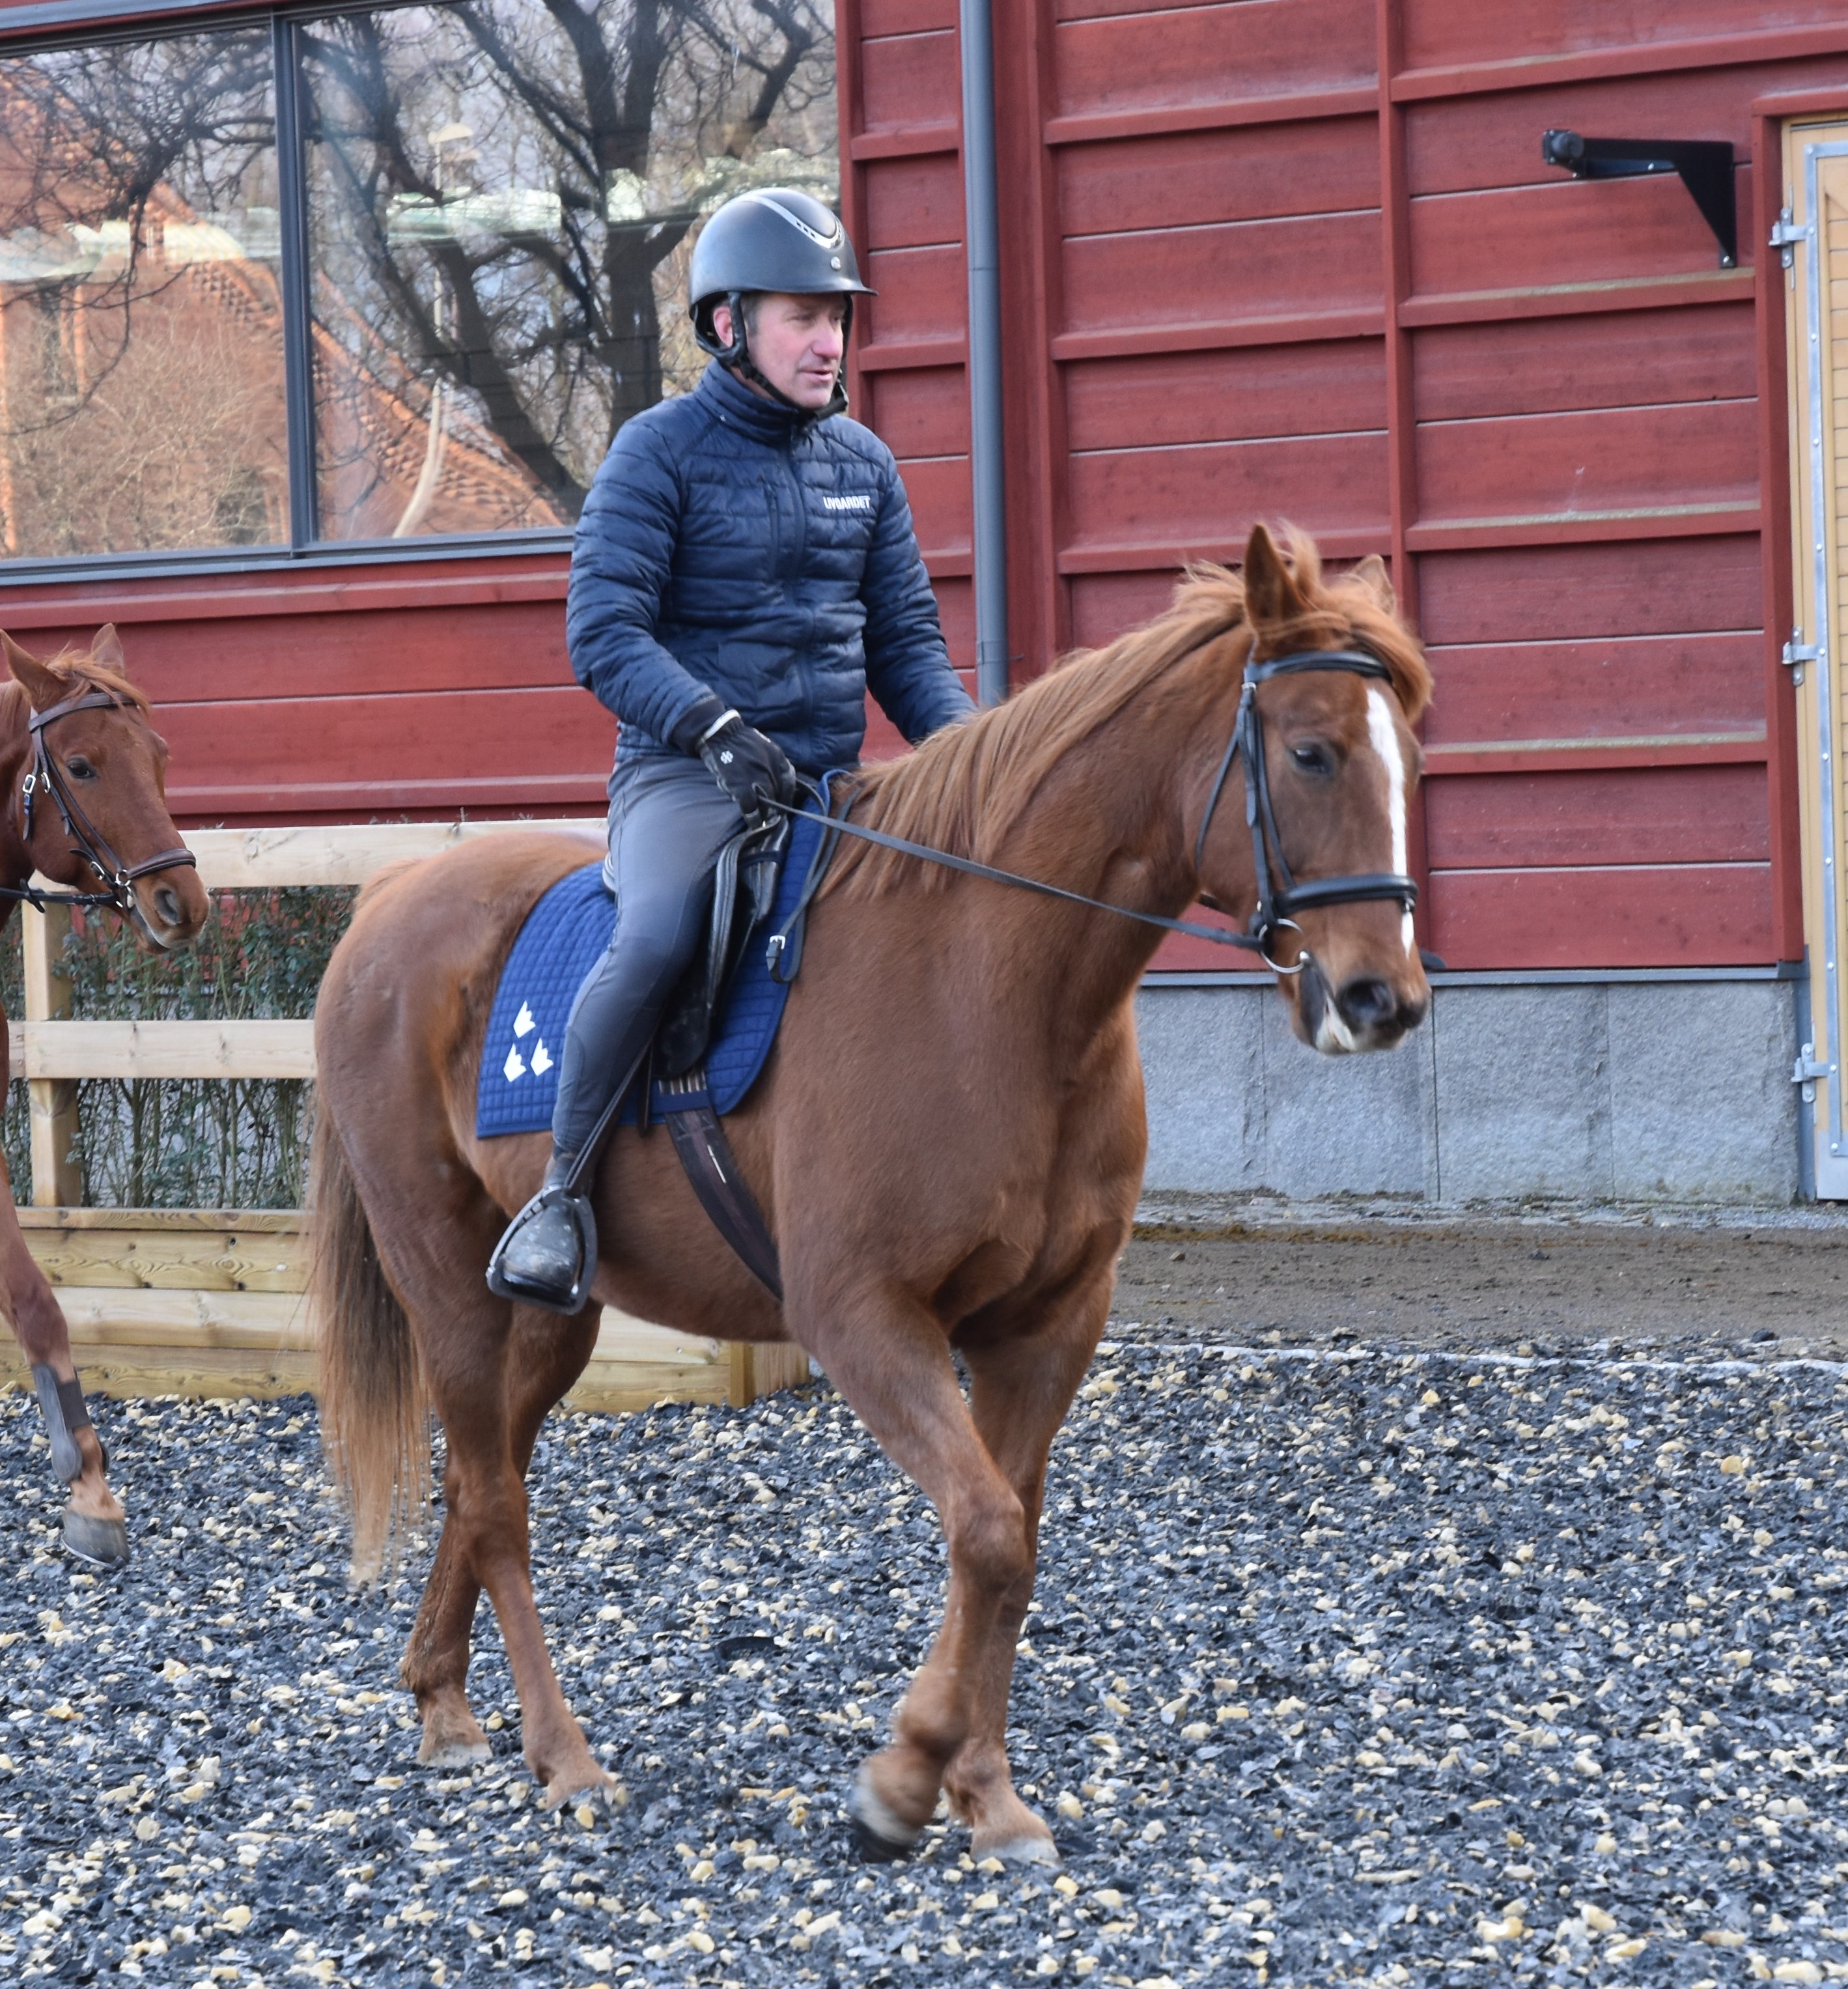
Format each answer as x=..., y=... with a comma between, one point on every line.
x=79, y=768
x=1313, y=757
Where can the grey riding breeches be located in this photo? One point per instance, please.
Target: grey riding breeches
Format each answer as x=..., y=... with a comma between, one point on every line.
x=668, y=821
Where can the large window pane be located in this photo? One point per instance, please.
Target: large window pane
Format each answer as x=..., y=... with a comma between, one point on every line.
x=141, y=396
x=501, y=196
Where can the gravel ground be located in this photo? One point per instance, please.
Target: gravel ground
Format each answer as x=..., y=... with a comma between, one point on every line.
x=1347, y=1666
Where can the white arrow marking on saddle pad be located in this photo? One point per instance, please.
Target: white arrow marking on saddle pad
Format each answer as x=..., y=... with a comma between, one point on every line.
x=523, y=1024
x=513, y=1068
x=542, y=1058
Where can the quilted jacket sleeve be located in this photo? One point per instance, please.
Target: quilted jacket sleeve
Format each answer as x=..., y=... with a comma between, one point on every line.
x=621, y=561
x=908, y=668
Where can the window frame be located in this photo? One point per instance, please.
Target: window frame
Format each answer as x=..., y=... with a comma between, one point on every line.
x=48, y=24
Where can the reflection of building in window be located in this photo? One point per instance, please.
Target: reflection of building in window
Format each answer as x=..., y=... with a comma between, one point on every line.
x=141, y=386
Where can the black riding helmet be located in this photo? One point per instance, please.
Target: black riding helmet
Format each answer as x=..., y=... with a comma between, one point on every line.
x=770, y=239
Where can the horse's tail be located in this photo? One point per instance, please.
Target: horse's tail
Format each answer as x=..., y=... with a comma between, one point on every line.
x=374, y=1404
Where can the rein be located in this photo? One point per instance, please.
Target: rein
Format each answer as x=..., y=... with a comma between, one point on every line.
x=87, y=841
x=1278, y=893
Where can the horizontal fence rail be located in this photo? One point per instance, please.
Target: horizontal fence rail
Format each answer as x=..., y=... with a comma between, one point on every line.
x=213, y=1302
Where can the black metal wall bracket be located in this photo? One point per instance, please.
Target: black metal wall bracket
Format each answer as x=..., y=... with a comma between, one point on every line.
x=1705, y=166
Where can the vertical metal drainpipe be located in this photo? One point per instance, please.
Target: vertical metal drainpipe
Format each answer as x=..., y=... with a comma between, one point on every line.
x=982, y=235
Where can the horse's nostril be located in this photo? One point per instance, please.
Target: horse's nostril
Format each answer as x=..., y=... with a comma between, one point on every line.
x=1367, y=1002
x=167, y=903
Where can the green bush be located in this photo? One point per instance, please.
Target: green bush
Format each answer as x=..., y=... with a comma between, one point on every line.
x=194, y=1144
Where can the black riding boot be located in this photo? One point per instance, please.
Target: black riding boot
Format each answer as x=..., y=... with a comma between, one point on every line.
x=550, y=1250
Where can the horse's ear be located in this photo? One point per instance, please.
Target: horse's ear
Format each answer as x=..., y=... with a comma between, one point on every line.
x=42, y=687
x=1371, y=573
x=106, y=651
x=1271, y=593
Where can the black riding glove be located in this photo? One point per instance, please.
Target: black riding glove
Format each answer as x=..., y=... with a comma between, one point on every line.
x=751, y=768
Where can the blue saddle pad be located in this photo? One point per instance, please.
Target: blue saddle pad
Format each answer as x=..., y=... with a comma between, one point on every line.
x=564, y=934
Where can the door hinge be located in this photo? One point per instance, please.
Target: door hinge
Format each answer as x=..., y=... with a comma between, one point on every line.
x=1797, y=652
x=1806, y=1070
x=1785, y=236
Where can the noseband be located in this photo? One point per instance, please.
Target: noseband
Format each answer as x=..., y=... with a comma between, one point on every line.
x=87, y=841
x=1278, y=893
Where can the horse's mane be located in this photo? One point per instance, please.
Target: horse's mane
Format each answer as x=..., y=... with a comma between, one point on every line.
x=966, y=786
x=77, y=670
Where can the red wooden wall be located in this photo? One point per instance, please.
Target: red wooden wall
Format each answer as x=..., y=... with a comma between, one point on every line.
x=1300, y=259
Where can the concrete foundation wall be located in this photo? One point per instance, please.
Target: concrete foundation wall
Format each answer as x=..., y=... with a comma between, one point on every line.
x=1674, y=1091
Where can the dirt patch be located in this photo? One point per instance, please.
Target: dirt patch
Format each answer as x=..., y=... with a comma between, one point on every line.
x=1563, y=1280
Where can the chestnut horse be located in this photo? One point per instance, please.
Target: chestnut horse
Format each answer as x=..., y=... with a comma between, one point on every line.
x=84, y=774
x=947, y=1144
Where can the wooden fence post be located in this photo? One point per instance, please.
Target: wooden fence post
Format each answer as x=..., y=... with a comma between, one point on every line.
x=57, y=1176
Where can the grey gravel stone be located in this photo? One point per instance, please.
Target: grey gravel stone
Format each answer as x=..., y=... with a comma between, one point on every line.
x=1350, y=1667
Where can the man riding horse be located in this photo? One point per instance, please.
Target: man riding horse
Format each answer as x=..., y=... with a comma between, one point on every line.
x=744, y=572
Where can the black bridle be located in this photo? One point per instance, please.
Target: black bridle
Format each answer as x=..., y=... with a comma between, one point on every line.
x=1276, y=899
x=87, y=841
x=1278, y=893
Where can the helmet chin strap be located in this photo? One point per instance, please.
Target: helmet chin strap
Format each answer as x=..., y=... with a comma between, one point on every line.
x=737, y=355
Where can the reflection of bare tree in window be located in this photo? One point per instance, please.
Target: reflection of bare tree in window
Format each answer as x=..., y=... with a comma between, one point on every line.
x=140, y=376
x=501, y=193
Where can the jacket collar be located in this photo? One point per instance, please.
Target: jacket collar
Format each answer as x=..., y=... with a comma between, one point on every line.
x=736, y=405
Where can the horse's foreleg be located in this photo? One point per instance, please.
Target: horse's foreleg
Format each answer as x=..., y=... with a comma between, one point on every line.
x=491, y=1425
x=1021, y=1388
x=548, y=1355
x=95, y=1527
x=888, y=1358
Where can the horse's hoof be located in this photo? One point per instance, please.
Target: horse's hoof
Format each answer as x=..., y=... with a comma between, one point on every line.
x=102, y=1542
x=454, y=1754
x=879, y=1836
x=1021, y=1850
x=584, y=1782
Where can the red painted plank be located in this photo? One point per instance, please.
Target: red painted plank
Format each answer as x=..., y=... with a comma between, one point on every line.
x=1192, y=498
x=1439, y=32
x=909, y=80
x=1576, y=232
x=1467, y=144
x=554, y=729
x=338, y=656
x=1608, y=460
x=1093, y=10
x=905, y=17
x=1657, y=916
x=1618, y=359
x=1641, y=587
x=1104, y=604
x=1179, y=276
x=1324, y=167
x=939, y=488
x=910, y=202
x=924, y=413
x=1237, y=395
x=1677, y=814
x=1254, y=48
x=1614, y=688
x=923, y=293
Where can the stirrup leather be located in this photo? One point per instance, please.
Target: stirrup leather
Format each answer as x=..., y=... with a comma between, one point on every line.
x=557, y=1195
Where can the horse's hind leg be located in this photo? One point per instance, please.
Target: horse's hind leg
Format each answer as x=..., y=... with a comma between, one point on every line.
x=491, y=1423
x=95, y=1526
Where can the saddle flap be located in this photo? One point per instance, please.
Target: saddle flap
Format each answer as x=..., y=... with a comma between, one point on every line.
x=744, y=888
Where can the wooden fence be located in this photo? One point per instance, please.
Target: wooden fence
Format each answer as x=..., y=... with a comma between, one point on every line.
x=211, y=1302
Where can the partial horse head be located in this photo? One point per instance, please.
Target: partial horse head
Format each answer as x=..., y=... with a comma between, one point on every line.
x=1340, y=764
x=105, y=818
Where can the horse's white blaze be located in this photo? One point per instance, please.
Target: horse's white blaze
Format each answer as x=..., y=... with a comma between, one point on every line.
x=1385, y=737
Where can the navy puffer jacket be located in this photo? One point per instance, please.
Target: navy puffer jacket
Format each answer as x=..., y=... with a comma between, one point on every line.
x=731, y=545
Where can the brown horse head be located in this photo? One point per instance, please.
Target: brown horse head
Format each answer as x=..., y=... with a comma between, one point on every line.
x=1342, y=764
x=111, y=766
